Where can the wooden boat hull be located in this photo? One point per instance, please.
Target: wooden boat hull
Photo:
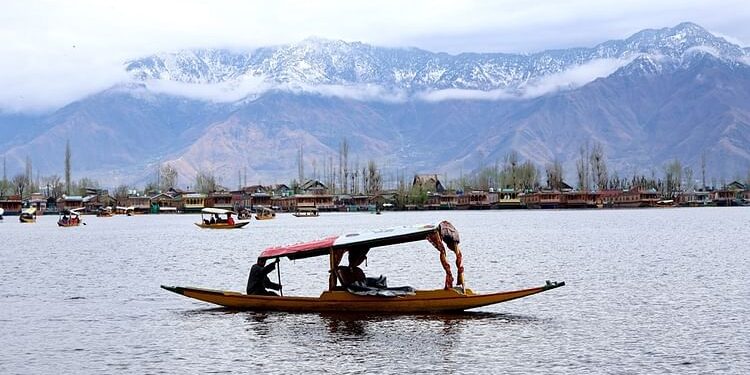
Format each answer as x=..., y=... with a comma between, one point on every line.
x=62, y=224
x=27, y=219
x=236, y=225
x=341, y=301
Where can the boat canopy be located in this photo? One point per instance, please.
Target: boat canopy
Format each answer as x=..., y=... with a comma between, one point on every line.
x=70, y=212
x=30, y=211
x=335, y=246
x=219, y=211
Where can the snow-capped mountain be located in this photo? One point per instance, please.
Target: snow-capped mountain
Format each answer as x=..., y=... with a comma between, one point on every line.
x=333, y=62
x=659, y=95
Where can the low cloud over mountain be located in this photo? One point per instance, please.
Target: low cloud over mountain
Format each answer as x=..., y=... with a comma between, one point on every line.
x=659, y=95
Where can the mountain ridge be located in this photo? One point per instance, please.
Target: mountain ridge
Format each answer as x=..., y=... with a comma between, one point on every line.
x=316, y=61
x=667, y=93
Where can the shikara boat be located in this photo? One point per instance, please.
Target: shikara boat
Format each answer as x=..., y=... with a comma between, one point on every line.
x=2, y=211
x=69, y=218
x=217, y=218
x=28, y=215
x=104, y=212
x=264, y=213
x=306, y=212
x=347, y=296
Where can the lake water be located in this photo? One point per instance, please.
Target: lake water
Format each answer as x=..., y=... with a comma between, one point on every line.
x=648, y=291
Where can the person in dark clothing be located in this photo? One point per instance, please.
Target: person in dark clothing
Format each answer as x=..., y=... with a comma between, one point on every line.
x=258, y=280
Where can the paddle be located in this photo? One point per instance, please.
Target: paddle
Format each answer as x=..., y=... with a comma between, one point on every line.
x=278, y=275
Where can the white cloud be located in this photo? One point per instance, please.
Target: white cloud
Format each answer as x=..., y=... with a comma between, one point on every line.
x=363, y=92
x=462, y=94
x=224, y=92
x=702, y=49
x=236, y=90
x=41, y=68
x=574, y=77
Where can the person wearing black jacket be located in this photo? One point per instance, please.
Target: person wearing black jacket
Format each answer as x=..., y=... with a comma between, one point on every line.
x=258, y=280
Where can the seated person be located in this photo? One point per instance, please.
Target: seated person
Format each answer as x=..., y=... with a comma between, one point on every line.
x=258, y=281
x=230, y=219
x=349, y=275
x=353, y=279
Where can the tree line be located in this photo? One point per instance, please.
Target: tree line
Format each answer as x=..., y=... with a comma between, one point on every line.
x=344, y=176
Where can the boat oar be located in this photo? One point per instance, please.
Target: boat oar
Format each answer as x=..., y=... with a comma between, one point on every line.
x=278, y=275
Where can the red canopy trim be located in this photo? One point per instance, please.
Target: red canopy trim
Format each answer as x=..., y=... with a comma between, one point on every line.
x=303, y=250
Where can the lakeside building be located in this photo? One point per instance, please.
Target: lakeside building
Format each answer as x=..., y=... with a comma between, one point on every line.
x=38, y=201
x=192, y=202
x=141, y=204
x=12, y=205
x=162, y=203
x=69, y=202
x=731, y=195
x=694, y=199
x=95, y=202
x=220, y=199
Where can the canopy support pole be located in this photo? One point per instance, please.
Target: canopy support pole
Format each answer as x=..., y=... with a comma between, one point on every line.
x=278, y=275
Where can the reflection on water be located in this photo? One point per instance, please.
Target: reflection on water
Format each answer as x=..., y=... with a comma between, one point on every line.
x=648, y=291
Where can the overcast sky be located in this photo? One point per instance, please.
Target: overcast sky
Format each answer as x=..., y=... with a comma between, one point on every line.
x=56, y=51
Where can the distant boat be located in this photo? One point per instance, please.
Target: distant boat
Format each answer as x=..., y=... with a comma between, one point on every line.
x=1, y=213
x=69, y=218
x=104, y=212
x=28, y=215
x=264, y=213
x=220, y=219
x=306, y=212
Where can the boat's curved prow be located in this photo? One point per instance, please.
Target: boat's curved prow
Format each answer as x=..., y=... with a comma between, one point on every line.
x=174, y=289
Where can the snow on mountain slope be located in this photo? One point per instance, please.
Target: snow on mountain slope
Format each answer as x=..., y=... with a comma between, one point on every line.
x=333, y=64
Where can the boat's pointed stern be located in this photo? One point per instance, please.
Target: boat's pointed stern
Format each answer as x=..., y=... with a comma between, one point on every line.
x=174, y=289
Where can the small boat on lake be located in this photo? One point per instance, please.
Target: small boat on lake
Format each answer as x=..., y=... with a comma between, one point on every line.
x=2, y=211
x=218, y=218
x=69, y=218
x=306, y=212
x=350, y=291
x=28, y=215
x=264, y=213
x=104, y=212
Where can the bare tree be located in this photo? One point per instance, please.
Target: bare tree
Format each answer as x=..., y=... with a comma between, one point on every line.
x=30, y=185
x=598, y=166
x=509, y=174
x=68, y=181
x=582, y=168
x=688, y=173
x=20, y=183
x=344, y=165
x=703, y=170
x=205, y=182
x=374, y=180
x=121, y=192
x=54, y=186
x=83, y=184
x=167, y=177
x=672, y=177
x=528, y=176
x=300, y=165
x=555, y=175
x=4, y=183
